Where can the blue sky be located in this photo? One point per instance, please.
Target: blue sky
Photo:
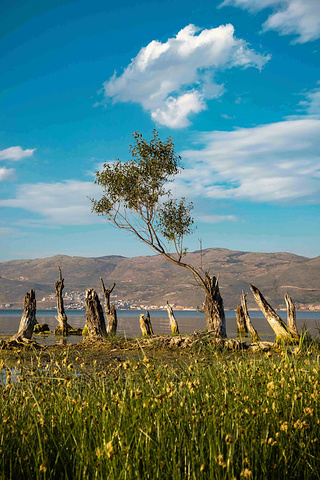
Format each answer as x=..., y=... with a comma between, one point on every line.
x=235, y=83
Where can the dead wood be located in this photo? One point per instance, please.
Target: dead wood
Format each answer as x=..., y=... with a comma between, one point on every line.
x=94, y=316
x=112, y=321
x=213, y=307
x=283, y=335
x=107, y=293
x=143, y=326
x=291, y=317
x=173, y=322
x=253, y=332
x=148, y=323
x=63, y=328
x=241, y=322
x=28, y=319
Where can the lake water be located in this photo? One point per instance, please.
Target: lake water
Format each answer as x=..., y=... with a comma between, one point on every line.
x=128, y=323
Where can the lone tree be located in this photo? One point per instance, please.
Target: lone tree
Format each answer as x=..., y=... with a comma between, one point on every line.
x=136, y=198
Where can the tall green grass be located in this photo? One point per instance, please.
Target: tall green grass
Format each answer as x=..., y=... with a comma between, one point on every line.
x=195, y=417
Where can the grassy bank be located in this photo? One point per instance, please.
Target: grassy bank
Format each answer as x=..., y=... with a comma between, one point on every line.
x=78, y=413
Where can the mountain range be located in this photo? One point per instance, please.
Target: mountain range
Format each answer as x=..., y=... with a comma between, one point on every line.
x=152, y=280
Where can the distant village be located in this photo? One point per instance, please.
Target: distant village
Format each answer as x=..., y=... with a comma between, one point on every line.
x=75, y=301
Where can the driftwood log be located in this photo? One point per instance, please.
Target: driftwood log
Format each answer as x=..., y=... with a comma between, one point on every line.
x=173, y=322
x=213, y=307
x=95, y=322
x=253, y=332
x=283, y=335
x=28, y=319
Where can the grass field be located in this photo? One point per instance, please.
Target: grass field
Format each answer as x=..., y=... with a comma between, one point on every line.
x=116, y=413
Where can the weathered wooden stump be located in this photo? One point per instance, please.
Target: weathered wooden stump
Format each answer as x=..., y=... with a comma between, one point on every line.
x=172, y=320
x=213, y=307
x=28, y=319
x=291, y=317
x=253, y=332
x=63, y=328
x=95, y=322
x=283, y=335
x=110, y=311
x=241, y=322
x=112, y=321
x=143, y=326
x=148, y=323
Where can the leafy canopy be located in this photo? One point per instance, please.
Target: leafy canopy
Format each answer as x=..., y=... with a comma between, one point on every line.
x=134, y=195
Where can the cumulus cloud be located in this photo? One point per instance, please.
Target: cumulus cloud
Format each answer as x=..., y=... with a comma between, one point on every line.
x=16, y=153
x=6, y=173
x=278, y=162
x=63, y=203
x=173, y=80
x=288, y=17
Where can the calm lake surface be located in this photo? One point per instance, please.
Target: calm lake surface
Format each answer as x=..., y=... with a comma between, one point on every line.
x=128, y=323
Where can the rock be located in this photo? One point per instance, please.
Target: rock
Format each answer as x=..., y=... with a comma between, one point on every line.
x=41, y=328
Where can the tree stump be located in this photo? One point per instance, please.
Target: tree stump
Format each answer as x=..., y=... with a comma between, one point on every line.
x=111, y=314
x=148, y=323
x=253, y=332
x=291, y=317
x=28, y=319
x=213, y=308
x=112, y=321
x=94, y=316
x=241, y=322
x=143, y=326
x=172, y=320
x=275, y=321
x=63, y=328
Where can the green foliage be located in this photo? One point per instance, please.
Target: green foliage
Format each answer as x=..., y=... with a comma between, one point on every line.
x=175, y=220
x=134, y=191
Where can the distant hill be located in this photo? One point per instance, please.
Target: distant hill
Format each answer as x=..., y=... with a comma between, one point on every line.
x=152, y=280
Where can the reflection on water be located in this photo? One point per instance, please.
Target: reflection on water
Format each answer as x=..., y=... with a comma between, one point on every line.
x=128, y=323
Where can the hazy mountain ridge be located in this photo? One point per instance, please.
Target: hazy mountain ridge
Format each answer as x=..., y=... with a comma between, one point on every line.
x=152, y=280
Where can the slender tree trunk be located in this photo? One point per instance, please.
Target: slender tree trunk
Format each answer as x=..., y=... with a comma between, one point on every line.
x=94, y=316
x=213, y=308
x=253, y=332
x=143, y=326
x=112, y=321
x=28, y=319
x=291, y=317
x=241, y=322
x=172, y=320
x=148, y=323
x=276, y=323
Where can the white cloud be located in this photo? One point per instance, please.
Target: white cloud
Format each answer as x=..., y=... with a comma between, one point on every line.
x=63, y=203
x=16, y=153
x=173, y=80
x=216, y=218
x=312, y=102
x=5, y=173
x=268, y=163
x=288, y=17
